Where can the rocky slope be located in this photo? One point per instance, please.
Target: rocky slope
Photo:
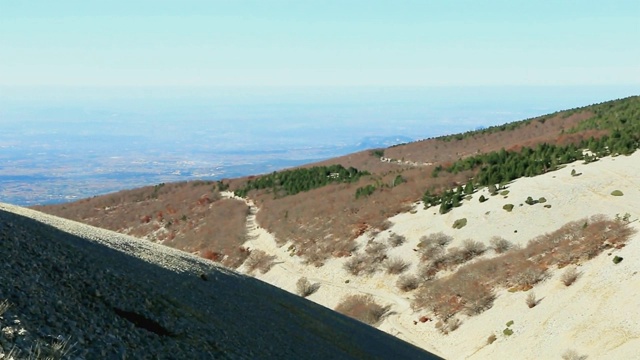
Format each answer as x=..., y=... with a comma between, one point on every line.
x=73, y=291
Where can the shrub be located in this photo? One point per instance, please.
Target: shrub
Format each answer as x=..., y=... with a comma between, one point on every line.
x=472, y=248
x=492, y=189
x=617, y=193
x=441, y=239
x=617, y=260
x=542, y=200
x=427, y=272
x=362, y=308
x=396, y=240
x=407, y=283
x=396, y=266
x=569, y=276
x=449, y=325
x=528, y=277
x=304, y=287
x=531, y=300
x=508, y=207
x=491, y=339
x=500, y=244
x=482, y=199
x=507, y=332
x=530, y=201
x=504, y=192
x=359, y=264
x=377, y=251
x=460, y=223
x=259, y=260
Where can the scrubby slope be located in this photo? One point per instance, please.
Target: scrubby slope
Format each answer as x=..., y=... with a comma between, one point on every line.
x=112, y=297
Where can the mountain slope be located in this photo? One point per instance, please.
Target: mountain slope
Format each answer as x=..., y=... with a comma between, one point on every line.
x=324, y=220
x=111, y=296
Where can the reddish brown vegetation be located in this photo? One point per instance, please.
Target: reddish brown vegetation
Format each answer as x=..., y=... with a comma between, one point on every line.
x=471, y=288
x=363, y=308
x=189, y=216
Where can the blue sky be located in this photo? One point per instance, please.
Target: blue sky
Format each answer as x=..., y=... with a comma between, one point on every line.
x=189, y=43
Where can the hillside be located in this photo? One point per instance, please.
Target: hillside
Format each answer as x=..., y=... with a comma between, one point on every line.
x=71, y=291
x=324, y=220
x=516, y=239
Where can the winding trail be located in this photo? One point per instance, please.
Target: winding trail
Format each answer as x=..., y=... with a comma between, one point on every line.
x=260, y=238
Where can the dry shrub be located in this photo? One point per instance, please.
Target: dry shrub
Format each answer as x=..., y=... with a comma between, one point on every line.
x=376, y=251
x=472, y=249
x=396, y=240
x=477, y=298
x=449, y=325
x=259, y=260
x=531, y=300
x=362, y=308
x=234, y=258
x=396, y=266
x=440, y=239
x=407, y=283
x=491, y=339
x=430, y=252
x=305, y=288
x=360, y=264
x=569, y=276
x=529, y=275
x=427, y=272
x=500, y=244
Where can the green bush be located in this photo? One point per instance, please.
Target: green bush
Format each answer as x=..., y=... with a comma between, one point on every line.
x=530, y=201
x=542, y=200
x=482, y=199
x=617, y=260
x=504, y=192
x=508, y=207
x=617, y=193
x=460, y=223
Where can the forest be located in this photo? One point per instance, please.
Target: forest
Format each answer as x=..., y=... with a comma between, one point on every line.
x=291, y=182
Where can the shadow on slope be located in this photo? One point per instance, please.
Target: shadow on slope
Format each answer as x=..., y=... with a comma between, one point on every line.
x=112, y=305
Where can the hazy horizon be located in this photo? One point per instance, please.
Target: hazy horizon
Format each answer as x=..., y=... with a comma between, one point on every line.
x=71, y=146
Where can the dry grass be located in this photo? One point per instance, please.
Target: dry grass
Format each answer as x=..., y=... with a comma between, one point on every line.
x=396, y=266
x=407, y=283
x=259, y=260
x=305, y=288
x=362, y=308
x=569, y=276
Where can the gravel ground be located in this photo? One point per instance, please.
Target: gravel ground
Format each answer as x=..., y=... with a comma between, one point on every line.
x=110, y=296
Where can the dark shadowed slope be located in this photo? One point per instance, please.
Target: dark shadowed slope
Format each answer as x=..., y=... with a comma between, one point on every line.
x=111, y=304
